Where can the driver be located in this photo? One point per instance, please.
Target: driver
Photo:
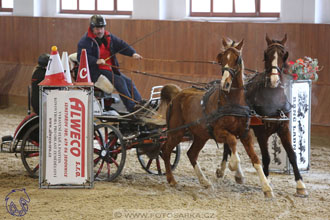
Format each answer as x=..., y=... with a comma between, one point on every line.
x=102, y=47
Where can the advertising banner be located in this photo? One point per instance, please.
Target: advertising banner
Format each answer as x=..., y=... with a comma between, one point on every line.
x=300, y=100
x=66, y=137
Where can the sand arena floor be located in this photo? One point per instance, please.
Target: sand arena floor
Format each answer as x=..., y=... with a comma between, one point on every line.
x=138, y=195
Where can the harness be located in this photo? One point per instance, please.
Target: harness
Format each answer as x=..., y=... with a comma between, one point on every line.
x=257, y=93
x=224, y=110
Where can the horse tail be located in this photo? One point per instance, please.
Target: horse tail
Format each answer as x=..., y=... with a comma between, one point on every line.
x=167, y=93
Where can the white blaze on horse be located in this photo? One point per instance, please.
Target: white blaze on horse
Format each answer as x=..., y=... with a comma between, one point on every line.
x=220, y=113
x=277, y=60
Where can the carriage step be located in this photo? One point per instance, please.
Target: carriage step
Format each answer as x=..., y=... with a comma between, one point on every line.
x=5, y=146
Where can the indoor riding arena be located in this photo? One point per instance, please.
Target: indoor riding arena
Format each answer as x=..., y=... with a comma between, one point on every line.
x=250, y=81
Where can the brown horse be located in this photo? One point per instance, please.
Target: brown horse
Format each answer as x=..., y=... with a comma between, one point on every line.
x=220, y=113
x=265, y=94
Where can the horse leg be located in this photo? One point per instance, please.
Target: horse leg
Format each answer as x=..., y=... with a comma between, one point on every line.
x=239, y=175
x=192, y=153
x=234, y=158
x=248, y=145
x=262, y=137
x=226, y=151
x=173, y=139
x=285, y=135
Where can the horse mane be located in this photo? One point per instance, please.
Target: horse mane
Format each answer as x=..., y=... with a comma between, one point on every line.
x=255, y=81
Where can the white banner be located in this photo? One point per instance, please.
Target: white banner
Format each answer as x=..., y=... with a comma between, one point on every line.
x=300, y=101
x=66, y=136
x=300, y=131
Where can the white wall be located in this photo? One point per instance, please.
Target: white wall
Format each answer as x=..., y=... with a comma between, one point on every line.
x=146, y=9
x=322, y=7
x=177, y=9
x=52, y=8
x=298, y=11
x=292, y=11
x=23, y=8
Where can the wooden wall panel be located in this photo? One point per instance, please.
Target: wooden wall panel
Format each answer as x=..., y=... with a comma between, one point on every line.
x=23, y=39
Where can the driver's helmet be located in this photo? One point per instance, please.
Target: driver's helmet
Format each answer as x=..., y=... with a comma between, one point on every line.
x=97, y=21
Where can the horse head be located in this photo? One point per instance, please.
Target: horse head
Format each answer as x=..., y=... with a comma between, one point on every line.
x=232, y=65
x=275, y=57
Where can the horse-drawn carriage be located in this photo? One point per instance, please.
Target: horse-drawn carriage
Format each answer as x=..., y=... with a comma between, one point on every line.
x=221, y=112
x=115, y=132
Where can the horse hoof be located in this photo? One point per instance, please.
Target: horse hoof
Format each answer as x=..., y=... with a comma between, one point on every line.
x=301, y=193
x=210, y=187
x=239, y=180
x=173, y=183
x=232, y=168
x=220, y=173
x=269, y=194
x=207, y=185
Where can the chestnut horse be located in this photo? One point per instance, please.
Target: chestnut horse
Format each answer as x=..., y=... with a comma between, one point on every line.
x=220, y=113
x=265, y=94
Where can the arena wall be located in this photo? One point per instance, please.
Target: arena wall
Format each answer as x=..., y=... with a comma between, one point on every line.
x=23, y=39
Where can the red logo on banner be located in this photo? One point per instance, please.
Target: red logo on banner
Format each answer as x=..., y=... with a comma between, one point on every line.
x=78, y=134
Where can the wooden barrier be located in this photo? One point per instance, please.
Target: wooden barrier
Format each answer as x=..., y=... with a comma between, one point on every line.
x=25, y=38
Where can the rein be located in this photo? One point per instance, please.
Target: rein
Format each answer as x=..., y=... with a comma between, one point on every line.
x=157, y=76
x=194, y=61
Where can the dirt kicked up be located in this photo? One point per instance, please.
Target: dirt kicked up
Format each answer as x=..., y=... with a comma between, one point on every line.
x=138, y=195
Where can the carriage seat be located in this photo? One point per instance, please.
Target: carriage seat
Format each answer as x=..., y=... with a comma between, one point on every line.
x=103, y=89
x=103, y=103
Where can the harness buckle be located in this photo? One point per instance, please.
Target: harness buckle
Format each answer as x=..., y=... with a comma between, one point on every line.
x=282, y=115
x=253, y=112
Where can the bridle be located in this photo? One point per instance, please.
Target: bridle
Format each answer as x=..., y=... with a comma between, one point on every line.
x=233, y=72
x=269, y=70
x=279, y=70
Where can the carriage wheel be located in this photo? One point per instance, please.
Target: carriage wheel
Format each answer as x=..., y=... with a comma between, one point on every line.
x=30, y=151
x=109, y=152
x=154, y=164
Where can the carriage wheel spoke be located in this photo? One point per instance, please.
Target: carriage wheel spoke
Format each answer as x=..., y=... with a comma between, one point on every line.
x=149, y=164
x=96, y=161
x=106, y=136
x=36, y=154
x=35, y=143
x=98, y=139
x=35, y=169
x=112, y=143
x=108, y=167
x=158, y=166
x=114, y=161
x=161, y=154
x=99, y=171
x=116, y=151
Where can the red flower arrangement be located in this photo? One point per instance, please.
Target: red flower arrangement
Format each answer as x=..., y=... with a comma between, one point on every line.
x=306, y=68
